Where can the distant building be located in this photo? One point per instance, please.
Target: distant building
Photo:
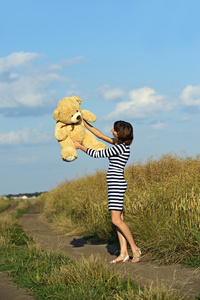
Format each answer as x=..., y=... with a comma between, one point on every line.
x=19, y=197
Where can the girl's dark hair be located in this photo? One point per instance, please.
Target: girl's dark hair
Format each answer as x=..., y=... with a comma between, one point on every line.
x=125, y=132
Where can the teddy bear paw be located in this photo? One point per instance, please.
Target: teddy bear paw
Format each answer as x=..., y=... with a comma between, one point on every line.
x=69, y=158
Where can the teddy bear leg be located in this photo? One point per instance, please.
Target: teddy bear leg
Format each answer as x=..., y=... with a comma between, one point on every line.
x=68, y=154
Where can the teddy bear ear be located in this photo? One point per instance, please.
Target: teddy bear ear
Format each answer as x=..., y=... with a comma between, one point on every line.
x=56, y=114
x=77, y=99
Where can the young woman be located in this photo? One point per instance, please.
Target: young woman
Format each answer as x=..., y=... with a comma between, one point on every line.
x=118, y=156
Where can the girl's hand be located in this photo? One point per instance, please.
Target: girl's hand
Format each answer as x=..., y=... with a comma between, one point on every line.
x=79, y=146
x=76, y=144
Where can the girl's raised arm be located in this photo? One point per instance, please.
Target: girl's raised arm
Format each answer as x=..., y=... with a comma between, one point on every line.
x=99, y=134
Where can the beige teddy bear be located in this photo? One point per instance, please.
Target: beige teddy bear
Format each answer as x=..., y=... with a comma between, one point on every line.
x=69, y=117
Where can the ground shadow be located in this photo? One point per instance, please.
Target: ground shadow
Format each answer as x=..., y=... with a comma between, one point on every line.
x=112, y=249
x=80, y=242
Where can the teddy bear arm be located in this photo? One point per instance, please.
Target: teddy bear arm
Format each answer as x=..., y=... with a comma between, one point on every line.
x=60, y=131
x=88, y=116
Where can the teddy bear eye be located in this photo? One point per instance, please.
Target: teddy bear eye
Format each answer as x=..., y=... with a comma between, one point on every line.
x=71, y=115
x=77, y=110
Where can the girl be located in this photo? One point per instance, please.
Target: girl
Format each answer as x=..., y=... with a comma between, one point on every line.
x=118, y=156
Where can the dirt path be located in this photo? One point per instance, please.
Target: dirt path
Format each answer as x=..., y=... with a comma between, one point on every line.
x=183, y=281
x=10, y=291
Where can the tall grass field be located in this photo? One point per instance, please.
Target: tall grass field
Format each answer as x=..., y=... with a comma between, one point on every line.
x=161, y=207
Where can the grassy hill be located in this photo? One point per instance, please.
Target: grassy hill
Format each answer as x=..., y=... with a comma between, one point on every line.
x=161, y=205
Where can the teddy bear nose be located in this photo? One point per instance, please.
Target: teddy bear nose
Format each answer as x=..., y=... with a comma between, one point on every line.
x=78, y=117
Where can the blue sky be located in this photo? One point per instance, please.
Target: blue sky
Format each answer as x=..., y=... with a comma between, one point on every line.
x=132, y=60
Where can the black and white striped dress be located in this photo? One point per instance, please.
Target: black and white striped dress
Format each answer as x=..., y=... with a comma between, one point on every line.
x=118, y=156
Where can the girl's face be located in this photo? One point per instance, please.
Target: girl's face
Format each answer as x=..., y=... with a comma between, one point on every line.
x=115, y=134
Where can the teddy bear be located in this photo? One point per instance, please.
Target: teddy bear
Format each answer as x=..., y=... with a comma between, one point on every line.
x=69, y=117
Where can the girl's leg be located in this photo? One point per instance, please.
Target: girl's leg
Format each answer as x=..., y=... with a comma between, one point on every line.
x=125, y=231
x=123, y=245
x=122, y=240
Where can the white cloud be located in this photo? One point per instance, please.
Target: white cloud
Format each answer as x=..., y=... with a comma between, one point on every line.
x=16, y=60
x=145, y=96
x=30, y=86
x=191, y=95
x=142, y=103
x=65, y=63
x=28, y=90
x=73, y=91
x=26, y=136
x=110, y=94
x=185, y=118
x=159, y=125
x=13, y=76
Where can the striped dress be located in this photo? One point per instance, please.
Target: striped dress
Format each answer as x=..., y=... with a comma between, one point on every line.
x=118, y=156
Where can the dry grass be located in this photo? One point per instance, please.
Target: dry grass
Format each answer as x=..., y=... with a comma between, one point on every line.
x=161, y=206
x=150, y=294
x=95, y=272
x=8, y=219
x=4, y=204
